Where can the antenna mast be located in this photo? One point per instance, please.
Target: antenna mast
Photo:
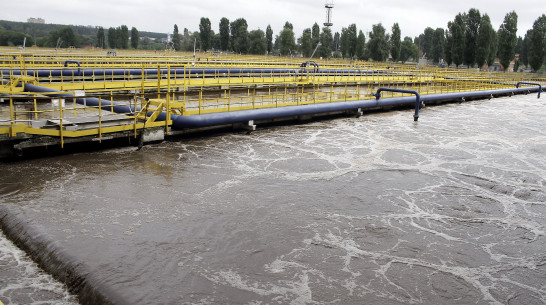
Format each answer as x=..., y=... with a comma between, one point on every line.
x=329, y=6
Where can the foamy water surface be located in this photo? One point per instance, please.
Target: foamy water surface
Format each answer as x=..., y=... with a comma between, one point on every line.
x=369, y=210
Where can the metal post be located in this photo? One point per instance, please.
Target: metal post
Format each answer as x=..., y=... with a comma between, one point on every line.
x=35, y=109
x=158, y=82
x=200, y=100
x=254, y=98
x=168, y=110
x=11, y=117
x=61, y=121
x=100, y=119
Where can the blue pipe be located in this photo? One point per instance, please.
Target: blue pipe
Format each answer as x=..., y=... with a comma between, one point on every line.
x=534, y=84
x=89, y=101
x=215, y=119
x=225, y=118
x=218, y=119
x=417, y=98
x=73, y=62
x=189, y=71
x=309, y=63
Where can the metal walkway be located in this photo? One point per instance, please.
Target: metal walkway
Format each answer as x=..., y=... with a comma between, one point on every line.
x=81, y=92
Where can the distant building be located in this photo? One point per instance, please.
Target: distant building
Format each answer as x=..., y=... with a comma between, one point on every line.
x=35, y=20
x=423, y=61
x=497, y=67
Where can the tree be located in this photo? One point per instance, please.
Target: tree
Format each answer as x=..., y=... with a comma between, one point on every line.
x=191, y=42
x=352, y=36
x=134, y=38
x=257, y=41
x=537, y=43
x=67, y=36
x=51, y=40
x=269, y=39
x=472, y=22
x=438, y=45
x=378, y=44
x=507, y=39
x=187, y=40
x=524, y=56
x=337, y=42
x=287, y=41
x=418, y=40
x=112, y=38
x=449, y=46
x=100, y=38
x=347, y=41
x=305, y=43
x=519, y=45
x=395, y=42
x=215, y=41
x=123, y=37
x=344, y=43
x=361, y=46
x=456, y=29
x=315, y=34
x=426, y=41
x=177, y=40
x=518, y=50
x=493, y=48
x=205, y=34
x=484, y=40
x=326, y=40
x=224, y=34
x=14, y=38
x=239, y=36
x=408, y=50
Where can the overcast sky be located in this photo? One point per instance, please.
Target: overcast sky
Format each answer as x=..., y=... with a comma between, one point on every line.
x=413, y=16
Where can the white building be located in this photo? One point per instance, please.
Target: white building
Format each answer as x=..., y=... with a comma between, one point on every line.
x=35, y=20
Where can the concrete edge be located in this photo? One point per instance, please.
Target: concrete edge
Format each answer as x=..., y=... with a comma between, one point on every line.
x=52, y=258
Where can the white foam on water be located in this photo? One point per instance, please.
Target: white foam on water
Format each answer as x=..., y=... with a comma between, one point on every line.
x=295, y=292
x=479, y=164
x=462, y=224
x=21, y=276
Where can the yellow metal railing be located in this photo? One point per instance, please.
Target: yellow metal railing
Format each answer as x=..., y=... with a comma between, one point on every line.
x=180, y=91
x=64, y=118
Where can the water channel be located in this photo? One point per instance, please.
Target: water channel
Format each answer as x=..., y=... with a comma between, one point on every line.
x=371, y=210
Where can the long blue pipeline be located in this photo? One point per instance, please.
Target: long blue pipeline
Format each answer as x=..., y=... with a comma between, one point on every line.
x=226, y=118
x=214, y=119
x=188, y=71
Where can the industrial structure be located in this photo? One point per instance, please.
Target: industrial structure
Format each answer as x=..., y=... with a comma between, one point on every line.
x=50, y=98
x=329, y=6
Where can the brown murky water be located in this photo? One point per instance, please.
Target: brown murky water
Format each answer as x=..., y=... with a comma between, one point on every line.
x=374, y=210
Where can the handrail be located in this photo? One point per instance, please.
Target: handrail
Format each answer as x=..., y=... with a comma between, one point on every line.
x=417, y=98
x=534, y=84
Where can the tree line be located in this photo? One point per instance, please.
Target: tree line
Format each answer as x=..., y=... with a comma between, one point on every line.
x=235, y=37
x=118, y=38
x=469, y=39
x=55, y=35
